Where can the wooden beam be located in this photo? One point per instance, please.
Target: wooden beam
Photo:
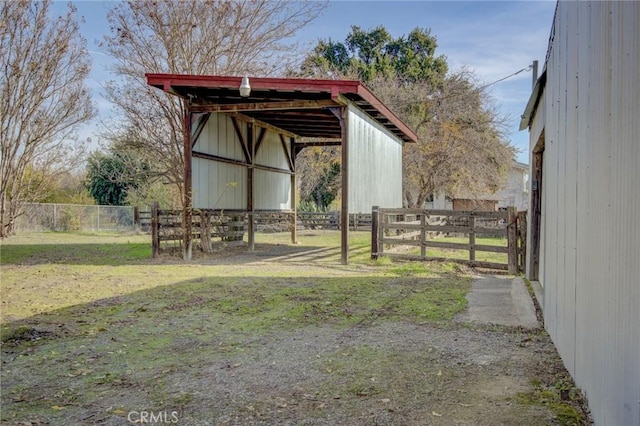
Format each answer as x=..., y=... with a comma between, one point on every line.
x=286, y=153
x=263, y=132
x=186, y=217
x=264, y=106
x=260, y=123
x=202, y=122
x=212, y=157
x=243, y=143
x=294, y=206
x=250, y=204
x=343, y=115
x=301, y=145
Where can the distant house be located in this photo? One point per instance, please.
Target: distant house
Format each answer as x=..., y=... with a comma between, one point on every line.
x=584, y=233
x=514, y=192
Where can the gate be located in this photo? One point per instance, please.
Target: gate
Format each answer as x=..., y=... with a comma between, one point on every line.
x=478, y=238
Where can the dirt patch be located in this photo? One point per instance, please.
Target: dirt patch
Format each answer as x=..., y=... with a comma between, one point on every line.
x=277, y=337
x=379, y=373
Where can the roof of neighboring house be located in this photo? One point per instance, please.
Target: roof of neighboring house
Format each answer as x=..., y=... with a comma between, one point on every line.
x=519, y=165
x=299, y=106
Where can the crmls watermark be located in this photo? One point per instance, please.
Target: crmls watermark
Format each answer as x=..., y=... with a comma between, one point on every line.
x=153, y=417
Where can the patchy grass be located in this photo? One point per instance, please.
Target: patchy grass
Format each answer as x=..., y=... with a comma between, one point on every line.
x=482, y=256
x=95, y=315
x=562, y=397
x=93, y=329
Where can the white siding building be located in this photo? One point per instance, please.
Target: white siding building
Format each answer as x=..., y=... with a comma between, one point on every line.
x=584, y=123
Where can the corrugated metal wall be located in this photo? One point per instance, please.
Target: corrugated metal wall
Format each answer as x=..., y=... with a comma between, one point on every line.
x=272, y=190
x=219, y=185
x=375, y=164
x=590, y=248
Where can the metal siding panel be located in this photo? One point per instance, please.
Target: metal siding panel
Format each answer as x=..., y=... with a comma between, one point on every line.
x=272, y=190
x=584, y=201
x=569, y=149
x=271, y=153
x=591, y=193
x=625, y=158
x=561, y=86
x=375, y=164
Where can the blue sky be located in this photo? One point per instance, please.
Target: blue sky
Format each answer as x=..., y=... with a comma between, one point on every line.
x=493, y=39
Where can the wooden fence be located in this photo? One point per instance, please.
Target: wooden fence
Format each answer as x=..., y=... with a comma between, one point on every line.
x=423, y=234
x=167, y=228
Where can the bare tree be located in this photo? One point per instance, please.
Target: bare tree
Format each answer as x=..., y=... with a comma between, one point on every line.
x=461, y=147
x=42, y=100
x=191, y=37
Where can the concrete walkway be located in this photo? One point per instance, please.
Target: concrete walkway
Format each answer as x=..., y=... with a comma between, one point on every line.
x=502, y=301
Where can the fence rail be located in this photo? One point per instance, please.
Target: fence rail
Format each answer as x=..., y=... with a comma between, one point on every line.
x=167, y=233
x=401, y=232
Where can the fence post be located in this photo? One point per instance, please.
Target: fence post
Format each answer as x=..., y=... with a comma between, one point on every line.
x=374, y=231
x=522, y=240
x=136, y=216
x=382, y=219
x=423, y=235
x=512, y=239
x=155, y=230
x=205, y=231
x=472, y=237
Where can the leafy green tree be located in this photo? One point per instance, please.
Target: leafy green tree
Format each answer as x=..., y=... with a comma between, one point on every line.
x=461, y=149
x=375, y=53
x=461, y=145
x=111, y=176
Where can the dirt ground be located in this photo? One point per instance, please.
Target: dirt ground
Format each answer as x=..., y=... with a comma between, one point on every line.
x=387, y=368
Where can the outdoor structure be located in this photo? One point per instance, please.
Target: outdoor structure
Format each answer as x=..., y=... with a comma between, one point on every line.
x=245, y=133
x=584, y=234
x=514, y=192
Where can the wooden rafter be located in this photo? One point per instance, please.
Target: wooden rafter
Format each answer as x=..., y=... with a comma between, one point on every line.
x=264, y=106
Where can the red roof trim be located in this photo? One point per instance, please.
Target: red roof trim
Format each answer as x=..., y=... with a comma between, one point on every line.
x=166, y=81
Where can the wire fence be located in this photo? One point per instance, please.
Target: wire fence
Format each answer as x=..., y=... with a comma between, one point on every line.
x=38, y=217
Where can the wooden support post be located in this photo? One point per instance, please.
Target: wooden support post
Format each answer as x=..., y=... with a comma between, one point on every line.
x=344, y=214
x=186, y=208
x=136, y=216
x=375, y=214
x=294, y=204
x=512, y=215
x=250, y=188
x=472, y=237
x=382, y=219
x=155, y=230
x=536, y=211
x=423, y=235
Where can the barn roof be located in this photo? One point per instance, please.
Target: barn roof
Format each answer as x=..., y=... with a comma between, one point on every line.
x=299, y=106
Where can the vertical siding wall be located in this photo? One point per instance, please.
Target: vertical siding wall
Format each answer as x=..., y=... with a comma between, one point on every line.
x=272, y=190
x=590, y=248
x=375, y=164
x=218, y=185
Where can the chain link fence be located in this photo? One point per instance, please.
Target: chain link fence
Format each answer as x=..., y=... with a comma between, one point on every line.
x=75, y=217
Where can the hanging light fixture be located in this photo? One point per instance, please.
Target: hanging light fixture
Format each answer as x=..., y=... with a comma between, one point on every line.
x=245, y=89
